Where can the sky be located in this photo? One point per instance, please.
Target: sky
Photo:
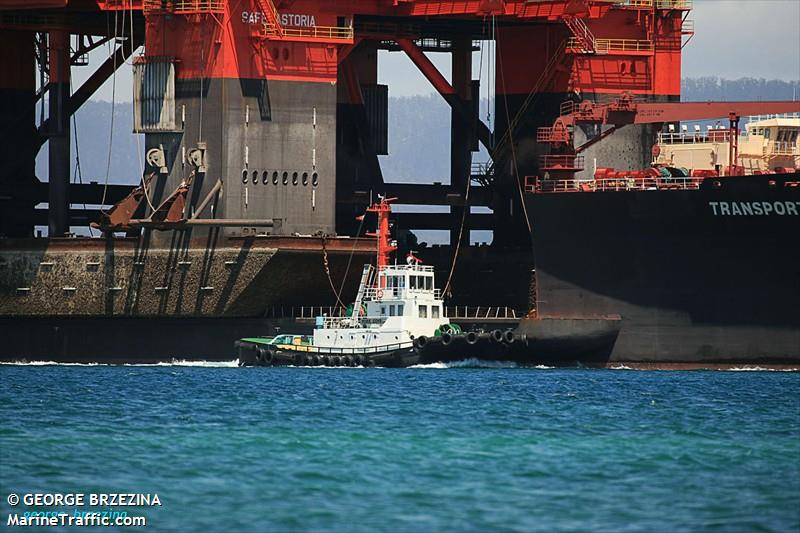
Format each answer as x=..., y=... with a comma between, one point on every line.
x=733, y=39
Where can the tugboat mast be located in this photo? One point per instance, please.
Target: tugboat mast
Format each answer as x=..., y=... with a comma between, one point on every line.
x=383, y=208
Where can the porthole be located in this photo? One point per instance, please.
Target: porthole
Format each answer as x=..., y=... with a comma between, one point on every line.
x=285, y=54
x=305, y=178
x=294, y=178
x=314, y=179
x=244, y=176
x=285, y=178
x=265, y=177
x=255, y=177
x=275, y=178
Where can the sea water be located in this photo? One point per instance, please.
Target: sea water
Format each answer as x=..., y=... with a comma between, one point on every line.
x=421, y=449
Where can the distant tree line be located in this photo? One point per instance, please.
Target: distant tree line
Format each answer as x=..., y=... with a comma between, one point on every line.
x=419, y=129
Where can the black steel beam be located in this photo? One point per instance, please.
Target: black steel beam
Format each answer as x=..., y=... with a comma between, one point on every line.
x=421, y=194
x=79, y=193
x=473, y=221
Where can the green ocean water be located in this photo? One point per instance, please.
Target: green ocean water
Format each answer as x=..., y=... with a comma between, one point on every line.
x=422, y=449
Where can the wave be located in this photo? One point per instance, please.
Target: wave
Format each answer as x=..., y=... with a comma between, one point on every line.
x=471, y=362
x=761, y=369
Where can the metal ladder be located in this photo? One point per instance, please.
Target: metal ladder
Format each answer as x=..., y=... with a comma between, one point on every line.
x=366, y=275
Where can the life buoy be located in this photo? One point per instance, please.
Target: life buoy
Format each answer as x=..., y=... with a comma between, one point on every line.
x=379, y=294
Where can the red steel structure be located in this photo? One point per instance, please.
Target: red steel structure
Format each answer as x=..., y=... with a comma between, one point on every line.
x=284, y=58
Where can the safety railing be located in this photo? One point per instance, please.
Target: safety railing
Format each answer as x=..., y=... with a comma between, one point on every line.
x=606, y=46
x=303, y=312
x=561, y=162
x=183, y=7
x=548, y=134
x=480, y=313
x=386, y=293
x=687, y=27
x=534, y=184
x=758, y=118
x=635, y=3
x=674, y=4
x=345, y=322
x=327, y=33
x=712, y=136
x=780, y=148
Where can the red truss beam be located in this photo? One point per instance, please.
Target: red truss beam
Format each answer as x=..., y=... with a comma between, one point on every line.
x=626, y=111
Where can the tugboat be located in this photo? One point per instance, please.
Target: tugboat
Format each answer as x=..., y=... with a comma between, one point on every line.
x=397, y=318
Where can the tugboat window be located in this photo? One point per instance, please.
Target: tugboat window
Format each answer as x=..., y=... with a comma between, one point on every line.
x=434, y=311
x=400, y=310
x=428, y=283
x=423, y=311
x=413, y=283
x=391, y=310
x=383, y=310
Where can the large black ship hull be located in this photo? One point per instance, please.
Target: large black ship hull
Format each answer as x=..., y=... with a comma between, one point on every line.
x=709, y=275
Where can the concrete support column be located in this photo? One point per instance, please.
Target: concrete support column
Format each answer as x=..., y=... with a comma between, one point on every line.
x=460, y=130
x=59, y=134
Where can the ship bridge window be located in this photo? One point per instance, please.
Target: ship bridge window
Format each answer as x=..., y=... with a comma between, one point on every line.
x=434, y=311
x=412, y=282
x=423, y=311
x=400, y=310
x=428, y=283
x=391, y=310
x=766, y=133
